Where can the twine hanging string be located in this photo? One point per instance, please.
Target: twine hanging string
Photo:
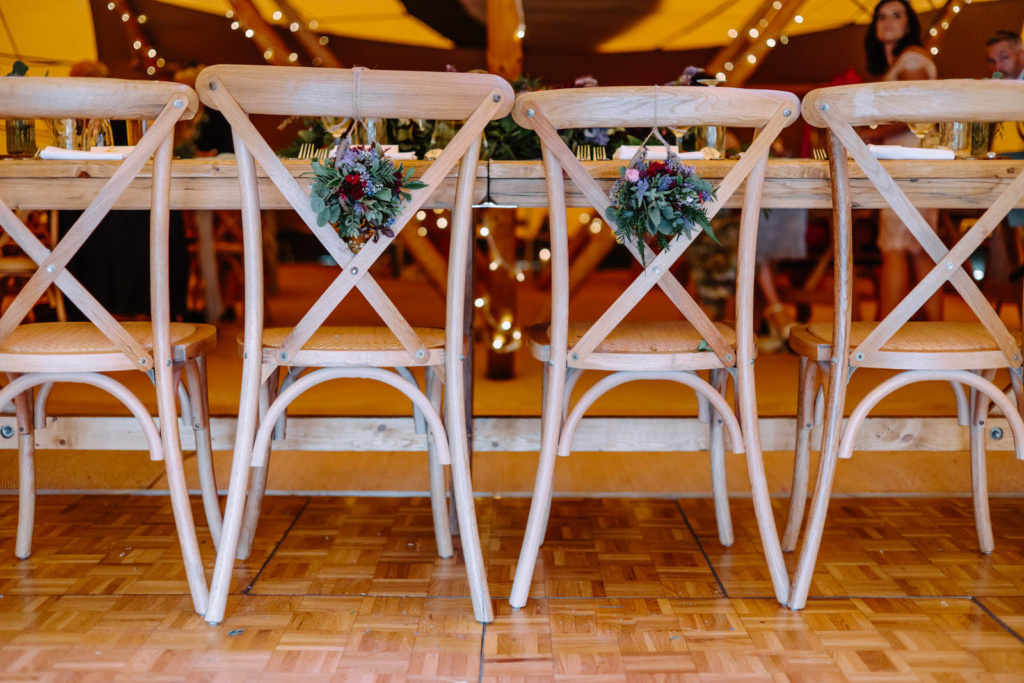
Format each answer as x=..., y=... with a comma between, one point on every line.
x=641, y=153
x=343, y=133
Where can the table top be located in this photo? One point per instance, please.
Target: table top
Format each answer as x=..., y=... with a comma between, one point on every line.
x=211, y=183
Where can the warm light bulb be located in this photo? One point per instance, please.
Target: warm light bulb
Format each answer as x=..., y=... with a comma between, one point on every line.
x=493, y=266
x=520, y=277
x=506, y=324
x=277, y=15
x=752, y=59
x=422, y=232
x=733, y=33
x=421, y=214
x=137, y=44
x=442, y=223
x=293, y=57
x=935, y=50
x=784, y=40
x=956, y=9
x=770, y=42
x=151, y=53
x=125, y=17
x=728, y=66
x=293, y=27
x=313, y=25
x=517, y=335
x=268, y=54
x=323, y=40
x=933, y=31
x=720, y=76
x=544, y=254
x=234, y=25
x=777, y=5
x=754, y=33
x=798, y=19
x=249, y=33
x=111, y=6
x=141, y=19
x=484, y=231
x=151, y=70
x=479, y=302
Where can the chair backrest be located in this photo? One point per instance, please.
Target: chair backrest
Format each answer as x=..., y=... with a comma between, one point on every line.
x=238, y=91
x=165, y=104
x=654, y=106
x=839, y=109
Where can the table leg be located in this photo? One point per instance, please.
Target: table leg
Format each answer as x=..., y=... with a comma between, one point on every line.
x=208, y=265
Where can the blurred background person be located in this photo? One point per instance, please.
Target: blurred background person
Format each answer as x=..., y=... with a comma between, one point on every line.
x=895, y=52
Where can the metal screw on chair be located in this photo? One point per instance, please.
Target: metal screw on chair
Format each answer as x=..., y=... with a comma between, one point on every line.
x=496, y=98
x=551, y=362
x=178, y=104
x=834, y=360
x=657, y=270
x=213, y=86
x=860, y=356
x=1016, y=357
x=529, y=112
x=7, y=431
x=50, y=268
x=420, y=354
x=283, y=356
x=824, y=106
x=354, y=271
x=787, y=112
x=575, y=356
x=995, y=433
x=143, y=361
x=949, y=266
x=728, y=358
x=981, y=423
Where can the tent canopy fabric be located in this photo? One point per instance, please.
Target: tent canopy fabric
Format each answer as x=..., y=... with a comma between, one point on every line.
x=53, y=34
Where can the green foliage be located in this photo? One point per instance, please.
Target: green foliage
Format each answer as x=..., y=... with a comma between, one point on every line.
x=20, y=68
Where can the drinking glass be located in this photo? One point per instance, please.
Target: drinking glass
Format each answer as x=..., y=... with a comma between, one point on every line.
x=710, y=136
x=967, y=140
x=920, y=130
x=136, y=129
x=21, y=136
x=680, y=132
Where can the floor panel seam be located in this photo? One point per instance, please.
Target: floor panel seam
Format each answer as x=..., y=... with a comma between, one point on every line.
x=696, y=538
x=248, y=589
x=999, y=621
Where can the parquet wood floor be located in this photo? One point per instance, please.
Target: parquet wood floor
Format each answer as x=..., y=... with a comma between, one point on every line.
x=350, y=589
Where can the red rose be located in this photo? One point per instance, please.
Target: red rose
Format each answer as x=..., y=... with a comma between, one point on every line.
x=353, y=179
x=657, y=168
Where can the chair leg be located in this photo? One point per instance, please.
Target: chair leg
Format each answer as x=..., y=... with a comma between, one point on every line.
x=979, y=474
x=716, y=449
x=258, y=476
x=196, y=372
x=747, y=400
x=831, y=430
x=805, y=408
x=536, y=525
x=23, y=405
x=462, y=488
x=438, y=493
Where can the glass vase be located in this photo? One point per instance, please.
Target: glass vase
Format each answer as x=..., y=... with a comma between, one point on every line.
x=21, y=137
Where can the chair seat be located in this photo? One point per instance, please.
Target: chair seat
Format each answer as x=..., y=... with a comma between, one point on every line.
x=630, y=341
x=30, y=345
x=370, y=345
x=932, y=338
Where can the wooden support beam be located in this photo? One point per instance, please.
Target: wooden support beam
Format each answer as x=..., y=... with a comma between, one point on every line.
x=310, y=39
x=504, y=46
x=743, y=68
x=513, y=434
x=937, y=31
x=264, y=34
x=729, y=52
x=425, y=253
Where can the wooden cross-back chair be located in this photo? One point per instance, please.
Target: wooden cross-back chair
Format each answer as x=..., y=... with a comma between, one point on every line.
x=238, y=91
x=41, y=354
x=639, y=351
x=961, y=353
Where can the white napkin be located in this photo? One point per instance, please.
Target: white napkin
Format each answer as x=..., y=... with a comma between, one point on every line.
x=77, y=154
x=655, y=153
x=898, y=152
x=392, y=152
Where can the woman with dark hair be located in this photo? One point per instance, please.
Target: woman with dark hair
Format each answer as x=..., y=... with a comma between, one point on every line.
x=895, y=53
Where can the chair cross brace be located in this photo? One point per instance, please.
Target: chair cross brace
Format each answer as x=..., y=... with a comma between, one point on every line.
x=53, y=264
x=948, y=262
x=355, y=267
x=657, y=269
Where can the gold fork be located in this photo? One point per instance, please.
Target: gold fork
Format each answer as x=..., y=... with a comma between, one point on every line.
x=819, y=154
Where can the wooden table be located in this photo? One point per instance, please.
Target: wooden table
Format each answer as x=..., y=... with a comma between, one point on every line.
x=789, y=183
x=208, y=184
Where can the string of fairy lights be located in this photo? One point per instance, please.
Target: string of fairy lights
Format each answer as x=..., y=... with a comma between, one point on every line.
x=147, y=55
x=269, y=51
